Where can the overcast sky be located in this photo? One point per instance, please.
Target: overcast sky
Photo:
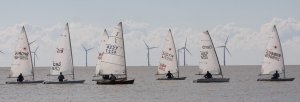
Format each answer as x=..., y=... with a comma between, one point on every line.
x=248, y=24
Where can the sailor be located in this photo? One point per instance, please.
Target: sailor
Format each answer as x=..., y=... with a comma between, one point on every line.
x=61, y=77
x=112, y=77
x=169, y=75
x=105, y=77
x=275, y=75
x=20, y=78
x=207, y=75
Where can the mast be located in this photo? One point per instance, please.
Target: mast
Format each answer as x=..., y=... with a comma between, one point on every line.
x=124, y=50
x=68, y=31
x=23, y=28
x=275, y=29
x=216, y=54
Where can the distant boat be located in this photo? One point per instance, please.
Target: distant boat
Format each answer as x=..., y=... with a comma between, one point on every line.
x=273, y=59
x=102, y=48
x=113, y=59
x=209, y=60
x=22, y=61
x=63, y=61
x=168, y=59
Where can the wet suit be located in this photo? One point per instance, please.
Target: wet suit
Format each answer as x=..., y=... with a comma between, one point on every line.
x=61, y=77
x=275, y=75
x=20, y=78
x=169, y=75
x=207, y=75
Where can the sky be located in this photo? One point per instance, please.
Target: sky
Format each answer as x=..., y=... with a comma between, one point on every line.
x=247, y=23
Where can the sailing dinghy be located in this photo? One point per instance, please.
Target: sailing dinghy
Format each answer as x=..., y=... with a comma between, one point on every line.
x=113, y=59
x=22, y=61
x=209, y=60
x=63, y=61
x=100, y=54
x=273, y=59
x=168, y=59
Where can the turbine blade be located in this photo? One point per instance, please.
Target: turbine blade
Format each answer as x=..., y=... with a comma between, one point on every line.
x=31, y=42
x=36, y=48
x=2, y=52
x=36, y=56
x=90, y=48
x=146, y=44
x=228, y=51
x=185, y=41
x=220, y=46
x=152, y=48
x=188, y=51
x=226, y=40
x=83, y=47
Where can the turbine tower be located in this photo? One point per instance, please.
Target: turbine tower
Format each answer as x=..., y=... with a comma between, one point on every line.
x=185, y=49
x=86, y=52
x=178, y=54
x=148, y=52
x=34, y=55
x=225, y=48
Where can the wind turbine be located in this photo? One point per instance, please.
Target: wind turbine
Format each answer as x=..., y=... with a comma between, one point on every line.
x=148, y=54
x=225, y=48
x=34, y=55
x=185, y=49
x=86, y=52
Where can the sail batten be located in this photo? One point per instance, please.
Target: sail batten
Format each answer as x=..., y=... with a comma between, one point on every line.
x=208, y=56
x=22, y=61
x=168, y=57
x=273, y=58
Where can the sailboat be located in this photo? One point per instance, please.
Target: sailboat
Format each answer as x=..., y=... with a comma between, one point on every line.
x=168, y=59
x=100, y=54
x=209, y=60
x=113, y=59
x=22, y=61
x=63, y=61
x=273, y=59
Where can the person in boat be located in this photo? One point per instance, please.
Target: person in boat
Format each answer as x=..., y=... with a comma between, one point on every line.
x=169, y=75
x=112, y=77
x=275, y=75
x=105, y=77
x=61, y=77
x=207, y=75
x=20, y=78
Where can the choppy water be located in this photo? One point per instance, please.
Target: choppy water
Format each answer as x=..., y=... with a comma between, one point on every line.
x=242, y=87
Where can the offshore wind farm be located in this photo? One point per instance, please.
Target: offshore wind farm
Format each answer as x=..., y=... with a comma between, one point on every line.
x=149, y=51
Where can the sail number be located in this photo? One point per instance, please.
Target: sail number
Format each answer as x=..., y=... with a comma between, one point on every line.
x=204, y=54
x=273, y=55
x=111, y=49
x=56, y=66
x=167, y=56
x=21, y=55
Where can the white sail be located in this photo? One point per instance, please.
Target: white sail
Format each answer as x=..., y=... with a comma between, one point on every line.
x=208, y=56
x=101, y=51
x=113, y=59
x=63, y=61
x=22, y=57
x=168, y=58
x=273, y=58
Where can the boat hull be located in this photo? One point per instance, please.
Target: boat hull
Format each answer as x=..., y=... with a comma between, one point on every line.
x=211, y=80
x=280, y=79
x=26, y=82
x=119, y=81
x=180, y=78
x=65, y=82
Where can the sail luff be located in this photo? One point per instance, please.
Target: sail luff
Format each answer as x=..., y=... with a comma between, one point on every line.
x=23, y=28
x=68, y=31
x=216, y=55
x=275, y=30
x=101, y=52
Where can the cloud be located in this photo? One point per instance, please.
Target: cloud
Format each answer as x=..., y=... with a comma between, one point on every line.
x=245, y=44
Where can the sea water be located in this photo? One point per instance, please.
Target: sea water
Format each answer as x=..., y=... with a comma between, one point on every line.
x=242, y=87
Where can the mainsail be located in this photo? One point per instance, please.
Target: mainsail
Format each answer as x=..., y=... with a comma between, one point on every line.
x=113, y=58
x=273, y=58
x=63, y=61
x=168, y=58
x=208, y=56
x=101, y=51
x=22, y=62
